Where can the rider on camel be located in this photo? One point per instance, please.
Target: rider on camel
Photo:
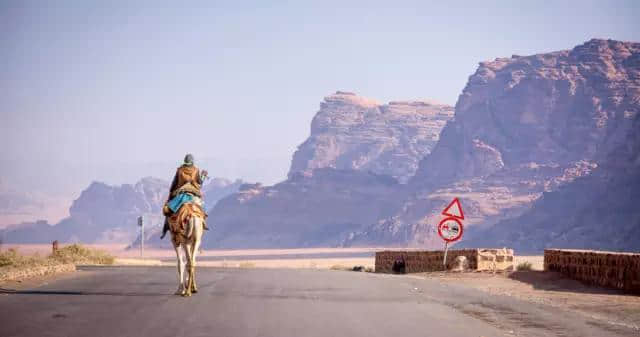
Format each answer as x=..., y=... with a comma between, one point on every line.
x=184, y=188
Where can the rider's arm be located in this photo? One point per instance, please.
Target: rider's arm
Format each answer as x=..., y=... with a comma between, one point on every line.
x=202, y=175
x=174, y=185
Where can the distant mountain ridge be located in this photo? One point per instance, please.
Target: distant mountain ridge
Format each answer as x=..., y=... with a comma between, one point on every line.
x=108, y=214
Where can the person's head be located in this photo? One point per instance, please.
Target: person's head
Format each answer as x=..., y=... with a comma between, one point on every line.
x=188, y=159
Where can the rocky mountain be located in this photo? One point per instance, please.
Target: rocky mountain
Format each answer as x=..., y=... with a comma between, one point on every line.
x=352, y=132
x=523, y=126
x=108, y=214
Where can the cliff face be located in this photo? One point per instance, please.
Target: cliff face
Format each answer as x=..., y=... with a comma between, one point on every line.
x=599, y=211
x=352, y=132
x=522, y=126
x=549, y=109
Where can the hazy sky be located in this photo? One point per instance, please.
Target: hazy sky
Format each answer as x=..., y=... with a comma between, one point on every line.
x=118, y=90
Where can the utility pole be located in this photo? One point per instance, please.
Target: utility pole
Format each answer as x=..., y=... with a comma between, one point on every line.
x=141, y=225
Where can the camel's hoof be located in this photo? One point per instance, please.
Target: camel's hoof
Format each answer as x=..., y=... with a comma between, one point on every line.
x=179, y=292
x=186, y=295
x=194, y=290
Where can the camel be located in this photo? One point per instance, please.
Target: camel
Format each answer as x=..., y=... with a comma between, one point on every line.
x=187, y=227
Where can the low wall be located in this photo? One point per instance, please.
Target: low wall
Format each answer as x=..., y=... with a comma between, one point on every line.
x=607, y=269
x=427, y=261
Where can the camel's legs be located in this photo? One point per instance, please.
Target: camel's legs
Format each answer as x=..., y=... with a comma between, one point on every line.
x=188, y=248
x=181, y=283
x=196, y=248
x=194, y=288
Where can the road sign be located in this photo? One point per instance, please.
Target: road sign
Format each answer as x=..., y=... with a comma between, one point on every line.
x=454, y=209
x=450, y=229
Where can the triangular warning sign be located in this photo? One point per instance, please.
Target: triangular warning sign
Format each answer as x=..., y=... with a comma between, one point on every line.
x=454, y=209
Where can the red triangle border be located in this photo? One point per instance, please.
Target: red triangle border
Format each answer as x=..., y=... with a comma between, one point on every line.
x=454, y=201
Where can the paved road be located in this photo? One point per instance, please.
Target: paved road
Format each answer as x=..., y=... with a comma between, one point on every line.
x=137, y=301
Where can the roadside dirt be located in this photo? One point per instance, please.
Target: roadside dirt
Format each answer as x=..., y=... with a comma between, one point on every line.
x=610, y=307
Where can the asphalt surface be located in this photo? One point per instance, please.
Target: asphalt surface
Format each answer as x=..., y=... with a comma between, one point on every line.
x=139, y=301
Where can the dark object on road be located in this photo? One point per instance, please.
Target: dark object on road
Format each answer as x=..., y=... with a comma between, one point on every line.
x=358, y=268
x=399, y=265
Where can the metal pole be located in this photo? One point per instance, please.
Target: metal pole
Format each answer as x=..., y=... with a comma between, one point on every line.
x=444, y=261
x=142, y=240
x=141, y=225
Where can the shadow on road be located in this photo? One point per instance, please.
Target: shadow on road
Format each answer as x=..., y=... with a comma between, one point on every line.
x=80, y=293
x=552, y=281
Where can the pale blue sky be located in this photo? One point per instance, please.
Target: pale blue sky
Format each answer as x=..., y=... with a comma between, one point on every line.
x=118, y=90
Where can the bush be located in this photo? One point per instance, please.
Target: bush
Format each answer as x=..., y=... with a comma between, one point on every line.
x=78, y=254
x=11, y=258
x=524, y=266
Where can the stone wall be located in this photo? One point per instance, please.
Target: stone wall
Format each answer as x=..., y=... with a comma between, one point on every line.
x=427, y=261
x=607, y=269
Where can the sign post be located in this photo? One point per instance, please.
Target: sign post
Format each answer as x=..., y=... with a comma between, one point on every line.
x=444, y=259
x=141, y=225
x=450, y=228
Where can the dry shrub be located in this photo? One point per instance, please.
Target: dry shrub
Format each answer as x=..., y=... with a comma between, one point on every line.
x=77, y=254
x=247, y=265
x=11, y=258
x=524, y=266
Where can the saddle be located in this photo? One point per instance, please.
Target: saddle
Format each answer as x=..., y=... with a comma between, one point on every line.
x=178, y=221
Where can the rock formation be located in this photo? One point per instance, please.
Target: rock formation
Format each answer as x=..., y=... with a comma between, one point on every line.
x=352, y=132
x=522, y=126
